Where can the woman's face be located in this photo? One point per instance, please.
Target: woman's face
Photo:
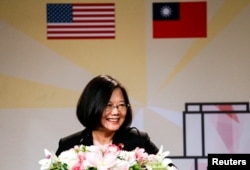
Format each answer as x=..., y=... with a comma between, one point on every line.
x=115, y=111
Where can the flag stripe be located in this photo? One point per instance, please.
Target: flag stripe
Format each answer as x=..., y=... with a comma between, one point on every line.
x=93, y=19
x=84, y=21
x=82, y=36
x=75, y=31
x=81, y=29
x=75, y=25
x=94, y=5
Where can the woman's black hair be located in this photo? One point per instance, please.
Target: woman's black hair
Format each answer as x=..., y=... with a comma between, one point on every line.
x=94, y=99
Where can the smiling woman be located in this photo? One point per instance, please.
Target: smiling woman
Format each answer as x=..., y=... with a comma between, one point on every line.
x=104, y=110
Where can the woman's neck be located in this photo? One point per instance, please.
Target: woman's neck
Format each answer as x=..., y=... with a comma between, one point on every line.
x=102, y=138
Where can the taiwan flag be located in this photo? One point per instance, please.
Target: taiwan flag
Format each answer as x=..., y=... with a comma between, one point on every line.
x=180, y=20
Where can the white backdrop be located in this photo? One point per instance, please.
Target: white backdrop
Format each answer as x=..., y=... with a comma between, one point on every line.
x=41, y=80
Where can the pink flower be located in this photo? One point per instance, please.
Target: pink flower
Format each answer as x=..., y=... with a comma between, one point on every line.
x=77, y=166
x=111, y=149
x=80, y=157
x=140, y=155
x=101, y=158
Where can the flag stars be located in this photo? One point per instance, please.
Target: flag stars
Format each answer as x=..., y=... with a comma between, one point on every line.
x=59, y=13
x=166, y=11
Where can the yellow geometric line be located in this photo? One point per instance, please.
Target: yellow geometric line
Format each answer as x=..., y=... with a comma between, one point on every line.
x=20, y=93
x=228, y=11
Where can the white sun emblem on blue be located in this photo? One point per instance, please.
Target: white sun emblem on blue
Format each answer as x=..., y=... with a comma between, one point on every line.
x=166, y=11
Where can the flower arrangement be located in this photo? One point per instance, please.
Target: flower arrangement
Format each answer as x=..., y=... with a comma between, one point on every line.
x=108, y=157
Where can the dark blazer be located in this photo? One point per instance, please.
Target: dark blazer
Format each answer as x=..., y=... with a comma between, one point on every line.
x=128, y=138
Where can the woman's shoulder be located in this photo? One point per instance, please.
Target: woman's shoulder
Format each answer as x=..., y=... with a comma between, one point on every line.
x=75, y=136
x=132, y=137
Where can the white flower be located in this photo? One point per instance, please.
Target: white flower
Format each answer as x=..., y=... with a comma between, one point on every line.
x=159, y=160
x=49, y=159
x=69, y=157
x=129, y=157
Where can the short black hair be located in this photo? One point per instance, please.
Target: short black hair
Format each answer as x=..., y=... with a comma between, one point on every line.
x=95, y=98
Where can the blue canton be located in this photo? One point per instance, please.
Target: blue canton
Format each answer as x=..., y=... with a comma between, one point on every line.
x=59, y=13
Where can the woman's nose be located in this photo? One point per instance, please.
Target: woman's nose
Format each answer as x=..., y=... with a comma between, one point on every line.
x=115, y=110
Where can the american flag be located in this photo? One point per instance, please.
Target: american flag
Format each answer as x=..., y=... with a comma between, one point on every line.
x=81, y=21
